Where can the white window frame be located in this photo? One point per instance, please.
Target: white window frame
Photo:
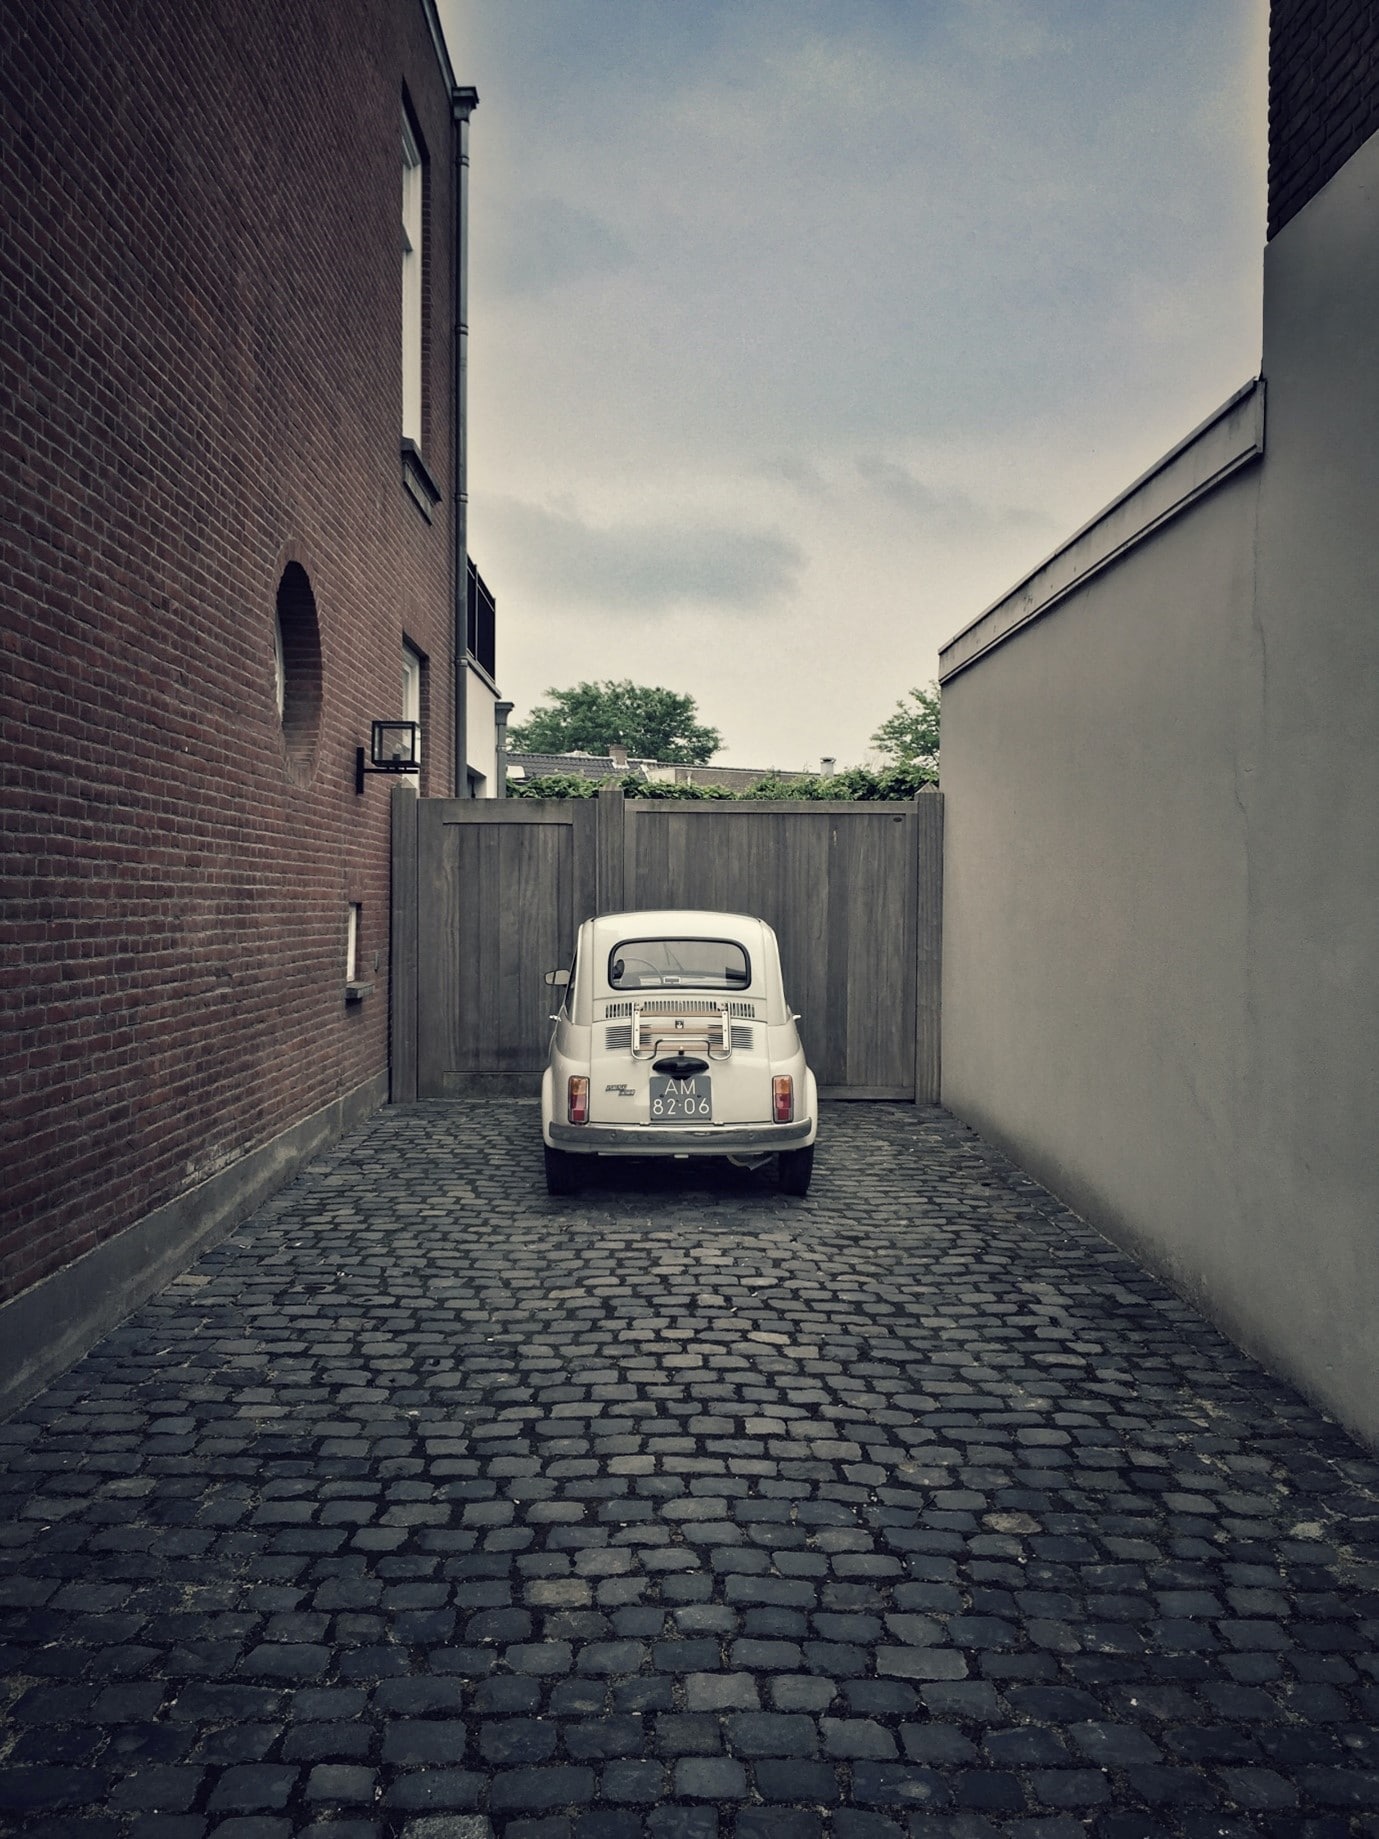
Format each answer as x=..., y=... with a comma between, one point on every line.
x=413, y=171
x=353, y=916
x=412, y=666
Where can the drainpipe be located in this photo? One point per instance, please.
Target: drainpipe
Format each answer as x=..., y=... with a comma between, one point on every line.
x=463, y=102
x=501, y=712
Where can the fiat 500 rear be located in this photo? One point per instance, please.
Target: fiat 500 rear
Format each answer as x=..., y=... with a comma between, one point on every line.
x=674, y=1038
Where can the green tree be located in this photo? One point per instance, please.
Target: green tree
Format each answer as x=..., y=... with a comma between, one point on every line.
x=909, y=736
x=652, y=724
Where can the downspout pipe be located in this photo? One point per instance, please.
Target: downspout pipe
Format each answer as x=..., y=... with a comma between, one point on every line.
x=463, y=102
x=501, y=712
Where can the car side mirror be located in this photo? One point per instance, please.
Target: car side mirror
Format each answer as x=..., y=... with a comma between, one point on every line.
x=559, y=980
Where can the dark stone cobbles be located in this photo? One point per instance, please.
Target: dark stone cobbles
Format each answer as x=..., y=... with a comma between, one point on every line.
x=430, y=1507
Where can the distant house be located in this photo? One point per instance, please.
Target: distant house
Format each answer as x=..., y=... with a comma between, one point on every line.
x=233, y=539
x=612, y=765
x=730, y=778
x=617, y=764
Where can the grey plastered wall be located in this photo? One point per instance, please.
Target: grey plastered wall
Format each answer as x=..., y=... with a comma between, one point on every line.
x=1310, y=1174
x=1161, y=867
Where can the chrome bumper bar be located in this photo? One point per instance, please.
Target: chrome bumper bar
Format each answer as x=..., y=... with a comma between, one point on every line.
x=701, y=1139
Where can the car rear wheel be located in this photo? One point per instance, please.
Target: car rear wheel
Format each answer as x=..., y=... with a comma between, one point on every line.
x=796, y=1167
x=562, y=1171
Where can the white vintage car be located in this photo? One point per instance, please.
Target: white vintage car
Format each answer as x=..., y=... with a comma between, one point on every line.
x=674, y=1039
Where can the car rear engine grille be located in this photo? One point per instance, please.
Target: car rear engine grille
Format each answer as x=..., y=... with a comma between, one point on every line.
x=738, y=1010
x=618, y=1035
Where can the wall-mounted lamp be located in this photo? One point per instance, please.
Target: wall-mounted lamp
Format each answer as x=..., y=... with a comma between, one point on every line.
x=393, y=749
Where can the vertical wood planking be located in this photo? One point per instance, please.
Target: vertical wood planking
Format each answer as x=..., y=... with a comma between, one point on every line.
x=928, y=947
x=522, y=886
x=528, y=932
x=582, y=897
x=852, y=890
x=487, y=871
x=833, y=1068
x=609, y=814
x=837, y=884
x=805, y=895
x=504, y=888
x=402, y=957
x=440, y=910
x=877, y=879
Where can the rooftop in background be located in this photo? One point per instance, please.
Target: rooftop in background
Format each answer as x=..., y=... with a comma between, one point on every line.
x=584, y=765
x=617, y=765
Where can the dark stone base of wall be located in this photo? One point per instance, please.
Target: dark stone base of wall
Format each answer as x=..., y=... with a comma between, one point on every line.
x=48, y=1328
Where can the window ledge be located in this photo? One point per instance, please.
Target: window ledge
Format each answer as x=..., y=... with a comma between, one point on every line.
x=425, y=493
x=356, y=992
x=485, y=677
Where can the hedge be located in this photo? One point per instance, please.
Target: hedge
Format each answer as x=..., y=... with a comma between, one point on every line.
x=859, y=782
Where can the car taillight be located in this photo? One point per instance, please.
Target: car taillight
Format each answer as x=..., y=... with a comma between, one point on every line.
x=577, y=1108
x=783, y=1098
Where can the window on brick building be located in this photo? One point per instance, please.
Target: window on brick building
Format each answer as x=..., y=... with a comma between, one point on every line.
x=353, y=917
x=413, y=181
x=482, y=624
x=413, y=701
x=297, y=671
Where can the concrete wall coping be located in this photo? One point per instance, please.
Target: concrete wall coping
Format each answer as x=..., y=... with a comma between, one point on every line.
x=1231, y=438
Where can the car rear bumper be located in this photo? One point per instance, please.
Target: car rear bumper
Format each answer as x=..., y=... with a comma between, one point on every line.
x=697, y=1140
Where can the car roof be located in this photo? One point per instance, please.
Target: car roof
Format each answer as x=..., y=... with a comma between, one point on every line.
x=676, y=922
x=601, y=934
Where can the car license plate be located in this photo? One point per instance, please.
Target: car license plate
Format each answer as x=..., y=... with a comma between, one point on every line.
x=681, y=1101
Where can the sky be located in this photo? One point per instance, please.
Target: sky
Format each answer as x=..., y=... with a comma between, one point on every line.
x=801, y=330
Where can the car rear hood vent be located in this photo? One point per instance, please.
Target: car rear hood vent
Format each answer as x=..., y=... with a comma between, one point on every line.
x=738, y=1010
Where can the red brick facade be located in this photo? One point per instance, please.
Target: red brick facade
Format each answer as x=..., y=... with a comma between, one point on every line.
x=1323, y=95
x=200, y=346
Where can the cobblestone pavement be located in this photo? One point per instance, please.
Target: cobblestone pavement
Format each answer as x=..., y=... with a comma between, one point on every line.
x=428, y=1507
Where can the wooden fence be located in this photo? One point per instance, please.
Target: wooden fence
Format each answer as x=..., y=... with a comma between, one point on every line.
x=487, y=895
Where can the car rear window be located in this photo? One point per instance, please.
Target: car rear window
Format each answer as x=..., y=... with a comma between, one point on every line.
x=659, y=964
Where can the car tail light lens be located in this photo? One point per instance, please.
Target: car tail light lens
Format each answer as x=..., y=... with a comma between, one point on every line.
x=783, y=1098
x=577, y=1108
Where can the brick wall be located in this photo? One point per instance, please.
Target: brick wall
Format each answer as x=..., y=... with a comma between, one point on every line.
x=1323, y=95
x=199, y=364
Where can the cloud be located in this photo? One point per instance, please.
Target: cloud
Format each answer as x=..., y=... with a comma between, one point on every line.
x=966, y=250
x=802, y=476
x=1006, y=31
x=944, y=512
x=548, y=243
x=786, y=304
x=644, y=567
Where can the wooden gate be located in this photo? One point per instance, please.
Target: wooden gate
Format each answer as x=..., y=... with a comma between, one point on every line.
x=487, y=895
